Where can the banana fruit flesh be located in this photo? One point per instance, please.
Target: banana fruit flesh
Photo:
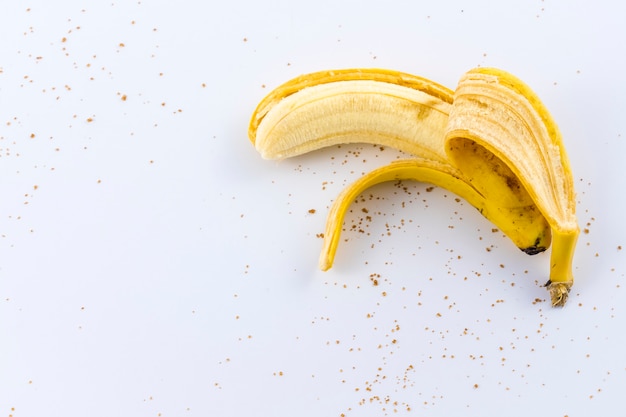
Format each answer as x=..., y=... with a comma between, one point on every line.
x=491, y=142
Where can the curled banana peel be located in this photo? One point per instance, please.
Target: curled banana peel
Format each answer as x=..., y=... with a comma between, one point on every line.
x=491, y=142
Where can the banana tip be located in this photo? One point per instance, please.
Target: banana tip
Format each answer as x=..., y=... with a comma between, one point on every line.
x=325, y=264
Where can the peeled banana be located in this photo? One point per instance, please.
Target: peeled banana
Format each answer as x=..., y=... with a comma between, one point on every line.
x=491, y=141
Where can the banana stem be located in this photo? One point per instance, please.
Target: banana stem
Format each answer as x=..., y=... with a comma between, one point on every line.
x=561, y=258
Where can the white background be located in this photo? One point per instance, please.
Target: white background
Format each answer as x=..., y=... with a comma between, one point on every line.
x=152, y=264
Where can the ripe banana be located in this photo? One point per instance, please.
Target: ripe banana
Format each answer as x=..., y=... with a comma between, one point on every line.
x=491, y=142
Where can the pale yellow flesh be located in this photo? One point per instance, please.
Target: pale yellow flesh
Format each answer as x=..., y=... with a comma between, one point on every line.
x=494, y=144
x=354, y=111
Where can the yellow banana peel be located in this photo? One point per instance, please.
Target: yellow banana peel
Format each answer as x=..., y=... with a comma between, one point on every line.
x=491, y=142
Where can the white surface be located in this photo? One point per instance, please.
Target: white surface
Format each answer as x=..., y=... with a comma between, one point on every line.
x=152, y=264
